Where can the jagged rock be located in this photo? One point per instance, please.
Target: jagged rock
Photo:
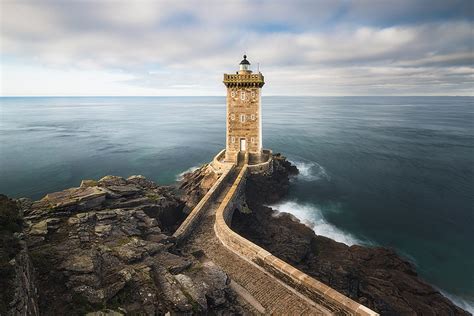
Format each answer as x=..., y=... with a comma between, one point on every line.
x=197, y=291
x=196, y=184
x=174, y=263
x=102, y=230
x=40, y=228
x=103, y=215
x=106, y=312
x=111, y=181
x=124, y=190
x=109, y=243
x=132, y=202
x=142, y=182
x=216, y=281
x=130, y=252
x=90, y=294
x=268, y=189
x=88, y=183
x=24, y=204
x=82, y=263
x=377, y=277
x=171, y=291
x=74, y=199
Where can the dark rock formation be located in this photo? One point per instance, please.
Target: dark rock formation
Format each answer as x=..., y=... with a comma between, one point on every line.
x=195, y=185
x=262, y=189
x=18, y=295
x=376, y=277
x=107, y=246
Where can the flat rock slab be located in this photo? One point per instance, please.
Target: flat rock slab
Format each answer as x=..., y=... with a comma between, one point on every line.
x=125, y=190
x=82, y=197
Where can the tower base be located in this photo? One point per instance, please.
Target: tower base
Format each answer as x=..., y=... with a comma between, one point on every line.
x=257, y=162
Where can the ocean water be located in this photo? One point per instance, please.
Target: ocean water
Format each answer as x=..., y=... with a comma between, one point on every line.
x=389, y=171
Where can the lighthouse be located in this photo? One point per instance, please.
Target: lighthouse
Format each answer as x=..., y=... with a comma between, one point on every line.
x=244, y=113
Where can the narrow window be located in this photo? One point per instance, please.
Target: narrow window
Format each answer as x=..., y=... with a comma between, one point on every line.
x=242, y=118
x=232, y=116
x=232, y=93
x=252, y=117
x=252, y=139
x=232, y=139
x=242, y=95
x=253, y=94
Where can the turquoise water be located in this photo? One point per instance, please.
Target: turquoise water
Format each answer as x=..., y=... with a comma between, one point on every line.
x=391, y=171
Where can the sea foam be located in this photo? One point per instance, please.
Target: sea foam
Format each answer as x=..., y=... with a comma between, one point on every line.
x=311, y=171
x=312, y=216
x=180, y=176
x=467, y=305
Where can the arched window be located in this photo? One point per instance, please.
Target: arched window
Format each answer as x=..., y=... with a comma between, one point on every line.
x=242, y=118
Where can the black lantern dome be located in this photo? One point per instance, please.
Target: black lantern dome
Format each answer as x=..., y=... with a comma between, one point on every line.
x=245, y=61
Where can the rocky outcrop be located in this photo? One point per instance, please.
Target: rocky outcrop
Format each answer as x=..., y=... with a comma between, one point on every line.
x=25, y=291
x=376, y=277
x=18, y=295
x=107, y=246
x=196, y=184
x=261, y=188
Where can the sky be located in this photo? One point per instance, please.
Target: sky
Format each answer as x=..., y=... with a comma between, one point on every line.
x=182, y=48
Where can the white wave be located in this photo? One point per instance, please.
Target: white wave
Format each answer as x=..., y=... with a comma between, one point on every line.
x=311, y=216
x=180, y=176
x=311, y=171
x=460, y=302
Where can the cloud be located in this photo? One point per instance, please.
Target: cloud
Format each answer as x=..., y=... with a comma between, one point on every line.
x=303, y=47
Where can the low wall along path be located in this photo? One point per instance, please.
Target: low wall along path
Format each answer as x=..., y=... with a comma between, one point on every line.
x=268, y=284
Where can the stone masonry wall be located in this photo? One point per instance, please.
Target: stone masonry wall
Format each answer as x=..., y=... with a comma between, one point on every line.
x=243, y=120
x=305, y=284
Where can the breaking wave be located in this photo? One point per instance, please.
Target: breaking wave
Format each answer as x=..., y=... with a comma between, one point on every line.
x=312, y=216
x=180, y=176
x=460, y=302
x=311, y=171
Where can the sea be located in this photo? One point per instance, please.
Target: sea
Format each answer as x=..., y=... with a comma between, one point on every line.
x=380, y=171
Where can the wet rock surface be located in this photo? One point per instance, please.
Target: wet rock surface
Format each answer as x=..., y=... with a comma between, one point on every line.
x=106, y=247
x=376, y=277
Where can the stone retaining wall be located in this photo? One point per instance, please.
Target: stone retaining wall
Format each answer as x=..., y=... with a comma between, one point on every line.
x=218, y=164
x=265, y=167
x=315, y=290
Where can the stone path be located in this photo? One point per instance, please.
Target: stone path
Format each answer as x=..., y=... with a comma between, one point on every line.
x=275, y=297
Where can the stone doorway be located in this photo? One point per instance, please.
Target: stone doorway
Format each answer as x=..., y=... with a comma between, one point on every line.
x=243, y=144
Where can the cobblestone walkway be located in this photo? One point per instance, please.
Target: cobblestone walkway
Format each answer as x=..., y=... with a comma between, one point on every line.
x=275, y=297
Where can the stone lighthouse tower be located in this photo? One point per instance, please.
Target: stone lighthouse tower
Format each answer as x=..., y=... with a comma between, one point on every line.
x=244, y=113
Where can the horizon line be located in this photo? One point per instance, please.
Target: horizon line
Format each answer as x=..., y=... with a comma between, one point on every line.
x=220, y=95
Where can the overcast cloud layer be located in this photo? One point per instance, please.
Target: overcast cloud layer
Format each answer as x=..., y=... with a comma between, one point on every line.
x=402, y=47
